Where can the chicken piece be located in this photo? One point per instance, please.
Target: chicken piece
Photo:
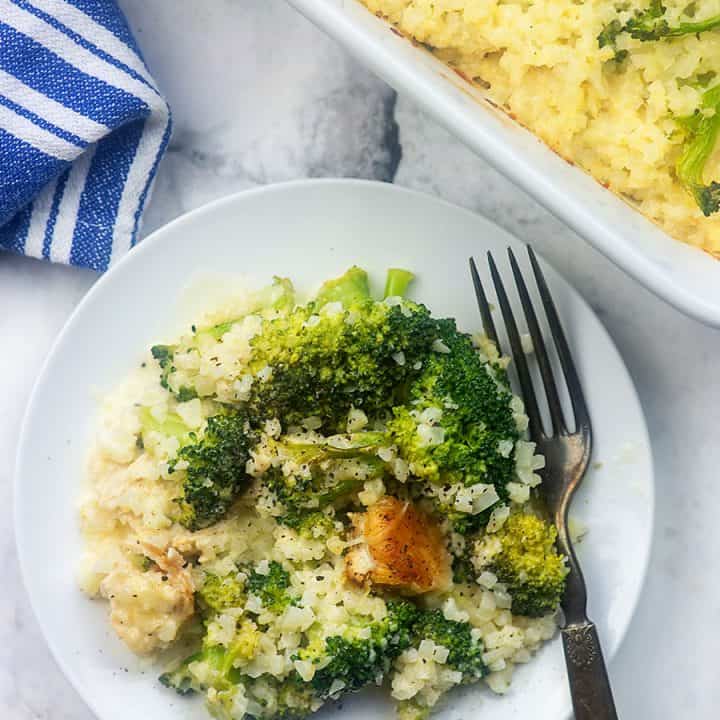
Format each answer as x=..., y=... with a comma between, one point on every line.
x=147, y=608
x=400, y=547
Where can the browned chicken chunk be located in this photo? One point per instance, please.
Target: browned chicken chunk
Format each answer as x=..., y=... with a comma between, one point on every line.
x=401, y=548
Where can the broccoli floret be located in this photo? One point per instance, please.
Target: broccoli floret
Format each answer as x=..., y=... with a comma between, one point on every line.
x=608, y=35
x=214, y=666
x=528, y=563
x=216, y=660
x=454, y=426
x=272, y=587
x=164, y=354
x=702, y=130
x=221, y=593
x=185, y=393
x=354, y=659
x=180, y=678
x=324, y=361
x=458, y=426
x=329, y=470
x=294, y=700
x=464, y=651
x=608, y=38
x=358, y=661
x=215, y=473
x=349, y=289
x=279, y=297
x=463, y=570
x=650, y=24
x=312, y=525
x=301, y=502
x=218, y=594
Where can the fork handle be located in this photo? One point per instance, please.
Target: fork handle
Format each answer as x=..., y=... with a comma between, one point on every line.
x=592, y=697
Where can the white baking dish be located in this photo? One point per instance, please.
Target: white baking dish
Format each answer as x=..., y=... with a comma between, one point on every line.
x=687, y=278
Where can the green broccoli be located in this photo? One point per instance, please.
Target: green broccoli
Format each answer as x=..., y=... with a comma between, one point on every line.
x=180, y=679
x=304, y=496
x=172, y=426
x=215, y=473
x=311, y=524
x=214, y=666
x=360, y=354
x=332, y=447
x=218, y=594
x=464, y=651
x=271, y=587
x=528, y=563
x=397, y=282
x=458, y=426
x=608, y=38
x=164, y=354
x=295, y=700
x=216, y=659
x=455, y=427
x=702, y=130
x=221, y=593
x=344, y=664
x=357, y=661
x=349, y=289
x=328, y=470
x=650, y=24
x=277, y=297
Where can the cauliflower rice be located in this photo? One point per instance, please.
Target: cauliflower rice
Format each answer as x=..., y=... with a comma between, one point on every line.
x=149, y=567
x=542, y=63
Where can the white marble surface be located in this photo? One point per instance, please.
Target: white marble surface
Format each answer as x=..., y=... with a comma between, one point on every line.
x=260, y=96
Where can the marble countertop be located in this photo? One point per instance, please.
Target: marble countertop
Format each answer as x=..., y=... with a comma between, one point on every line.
x=261, y=96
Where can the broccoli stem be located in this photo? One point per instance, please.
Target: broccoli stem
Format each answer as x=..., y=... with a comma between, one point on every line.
x=351, y=288
x=650, y=24
x=692, y=28
x=339, y=446
x=397, y=282
x=172, y=426
x=703, y=130
x=340, y=490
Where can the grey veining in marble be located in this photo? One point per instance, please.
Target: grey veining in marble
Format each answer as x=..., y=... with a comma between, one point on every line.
x=260, y=96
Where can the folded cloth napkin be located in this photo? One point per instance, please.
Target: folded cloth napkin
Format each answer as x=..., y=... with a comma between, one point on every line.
x=82, y=130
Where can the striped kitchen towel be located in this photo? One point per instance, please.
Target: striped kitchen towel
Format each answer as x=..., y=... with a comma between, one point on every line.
x=82, y=130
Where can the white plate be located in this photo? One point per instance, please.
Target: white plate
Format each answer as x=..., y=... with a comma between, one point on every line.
x=683, y=276
x=309, y=231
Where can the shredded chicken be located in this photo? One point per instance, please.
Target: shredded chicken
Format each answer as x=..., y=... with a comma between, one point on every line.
x=400, y=547
x=148, y=607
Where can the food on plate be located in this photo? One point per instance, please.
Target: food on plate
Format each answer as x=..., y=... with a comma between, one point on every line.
x=296, y=500
x=629, y=91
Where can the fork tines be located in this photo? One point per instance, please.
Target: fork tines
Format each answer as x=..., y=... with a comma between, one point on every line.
x=557, y=418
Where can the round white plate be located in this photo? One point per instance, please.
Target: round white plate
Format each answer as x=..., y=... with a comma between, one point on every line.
x=309, y=231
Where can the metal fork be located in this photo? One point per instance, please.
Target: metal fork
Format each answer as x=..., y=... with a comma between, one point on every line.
x=567, y=454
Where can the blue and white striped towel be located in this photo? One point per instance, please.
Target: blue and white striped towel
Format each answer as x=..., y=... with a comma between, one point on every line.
x=82, y=130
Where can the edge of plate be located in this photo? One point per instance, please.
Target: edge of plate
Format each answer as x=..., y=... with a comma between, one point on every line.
x=134, y=256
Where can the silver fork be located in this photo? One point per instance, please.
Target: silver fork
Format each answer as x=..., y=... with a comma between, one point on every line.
x=567, y=454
